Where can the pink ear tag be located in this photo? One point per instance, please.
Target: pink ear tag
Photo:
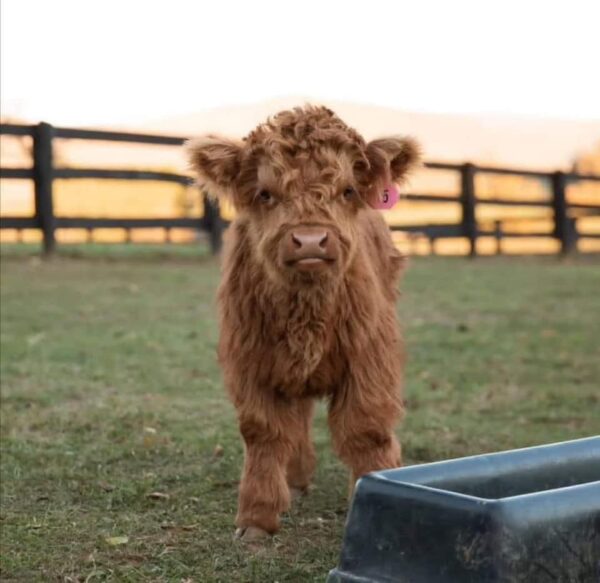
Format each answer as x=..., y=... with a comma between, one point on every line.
x=388, y=198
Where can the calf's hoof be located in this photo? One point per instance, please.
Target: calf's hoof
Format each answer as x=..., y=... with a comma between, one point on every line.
x=251, y=534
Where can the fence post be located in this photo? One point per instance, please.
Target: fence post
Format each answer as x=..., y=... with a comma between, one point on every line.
x=498, y=236
x=564, y=228
x=468, y=201
x=214, y=223
x=42, y=176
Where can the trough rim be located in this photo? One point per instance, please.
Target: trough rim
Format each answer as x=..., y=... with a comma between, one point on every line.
x=389, y=476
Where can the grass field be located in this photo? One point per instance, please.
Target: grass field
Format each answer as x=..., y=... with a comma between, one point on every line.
x=120, y=454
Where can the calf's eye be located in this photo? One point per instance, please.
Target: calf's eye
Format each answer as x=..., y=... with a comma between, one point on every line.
x=264, y=195
x=349, y=193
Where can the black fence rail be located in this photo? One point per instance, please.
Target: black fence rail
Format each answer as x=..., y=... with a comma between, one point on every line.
x=565, y=215
x=43, y=173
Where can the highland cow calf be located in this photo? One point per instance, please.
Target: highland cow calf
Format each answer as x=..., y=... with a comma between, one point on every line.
x=307, y=300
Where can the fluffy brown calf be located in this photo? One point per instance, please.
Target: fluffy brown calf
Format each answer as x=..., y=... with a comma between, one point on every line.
x=307, y=299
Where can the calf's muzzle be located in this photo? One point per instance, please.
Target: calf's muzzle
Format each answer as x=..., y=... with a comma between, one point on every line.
x=309, y=248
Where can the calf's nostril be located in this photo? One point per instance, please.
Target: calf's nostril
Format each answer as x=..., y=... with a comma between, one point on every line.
x=323, y=240
x=297, y=240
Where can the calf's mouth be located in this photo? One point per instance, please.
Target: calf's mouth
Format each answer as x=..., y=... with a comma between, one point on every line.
x=310, y=263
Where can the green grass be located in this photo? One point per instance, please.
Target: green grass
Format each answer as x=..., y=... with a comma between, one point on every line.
x=110, y=392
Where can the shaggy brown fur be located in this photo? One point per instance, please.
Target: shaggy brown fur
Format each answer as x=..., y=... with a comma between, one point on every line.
x=291, y=332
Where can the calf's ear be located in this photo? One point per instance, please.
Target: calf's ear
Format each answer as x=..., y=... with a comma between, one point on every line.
x=216, y=162
x=392, y=158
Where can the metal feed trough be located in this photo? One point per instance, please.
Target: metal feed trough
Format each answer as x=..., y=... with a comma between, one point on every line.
x=530, y=515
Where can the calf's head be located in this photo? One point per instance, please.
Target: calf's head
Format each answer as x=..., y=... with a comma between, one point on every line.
x=299, y=181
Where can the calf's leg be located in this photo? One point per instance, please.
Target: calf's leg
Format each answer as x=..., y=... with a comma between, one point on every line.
x=277, y=452
x=362, y=424
x=301, y=465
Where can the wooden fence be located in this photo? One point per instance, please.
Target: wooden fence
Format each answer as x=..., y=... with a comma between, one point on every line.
x=565, y=214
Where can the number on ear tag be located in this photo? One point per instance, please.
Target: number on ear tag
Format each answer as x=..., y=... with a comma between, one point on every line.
x=388, y=198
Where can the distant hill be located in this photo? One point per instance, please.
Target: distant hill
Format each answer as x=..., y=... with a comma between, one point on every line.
x=543, y=143
x=538, y=143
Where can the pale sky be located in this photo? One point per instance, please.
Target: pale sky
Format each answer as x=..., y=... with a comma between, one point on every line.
x=89, y=62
